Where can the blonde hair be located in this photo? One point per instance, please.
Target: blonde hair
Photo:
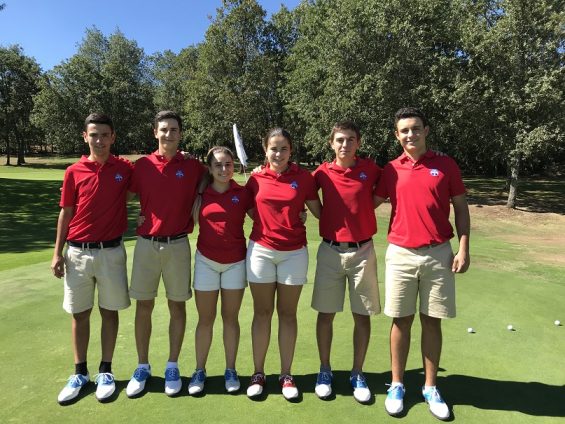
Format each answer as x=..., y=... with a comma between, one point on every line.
x=207, y=179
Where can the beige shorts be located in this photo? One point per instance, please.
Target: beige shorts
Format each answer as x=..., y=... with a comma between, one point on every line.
x=153, y=259
x=210, y=275
x=336, y=266
x=104, y=268
x=266, y=265
x=424, y=273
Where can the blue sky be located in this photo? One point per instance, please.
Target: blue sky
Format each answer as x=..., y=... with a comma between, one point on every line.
x=50, y=30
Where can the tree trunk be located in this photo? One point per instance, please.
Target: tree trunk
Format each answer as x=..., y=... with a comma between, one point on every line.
x=21, y=148
x=7, y=149
x=513, y=190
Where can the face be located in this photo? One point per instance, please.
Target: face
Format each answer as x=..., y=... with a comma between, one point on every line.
x=278, y=152
x=345, y=144
x=99, y=138
x=411, y=134
x=168, y=134
x=221, y=168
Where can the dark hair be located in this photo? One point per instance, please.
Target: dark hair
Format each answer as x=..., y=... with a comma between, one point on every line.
x=345, y=125
x=275, y=132
x=98, y=118
x=207, y=179
x=410, y=112
x=167, y=114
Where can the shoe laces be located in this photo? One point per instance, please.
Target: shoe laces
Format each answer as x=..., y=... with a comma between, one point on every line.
x=140, y=374
x=432, y=395
x=287, y=381
x=324, y=377
x=358, y=381
x=198, y=376
x=258, y=378
x=172, y=374
x=396, y=391
x=104, y=378
x=76, y=380
x=230, y=374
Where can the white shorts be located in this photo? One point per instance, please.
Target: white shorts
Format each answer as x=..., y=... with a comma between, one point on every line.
x=266, y=265
x=210, y=275
x=104, y=268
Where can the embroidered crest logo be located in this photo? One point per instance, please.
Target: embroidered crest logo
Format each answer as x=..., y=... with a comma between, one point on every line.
x=434, y=172
x=294, y=185
x=363, y=176
x=118, y=177
x=235, y=200
x=179, y=174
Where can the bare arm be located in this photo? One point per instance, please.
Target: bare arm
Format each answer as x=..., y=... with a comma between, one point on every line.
x=462, y=259
x=315, y=207
x=58, y=261
x=377, y=201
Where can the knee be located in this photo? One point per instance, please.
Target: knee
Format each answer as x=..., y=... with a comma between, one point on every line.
x=82, y=316
x=362, y=322
x=145, y=306
x=430, y=323
x=403, y=323
x=177, y=309
x=207, y=319
x=107, y=314
x=325, y=318
x=287, y=316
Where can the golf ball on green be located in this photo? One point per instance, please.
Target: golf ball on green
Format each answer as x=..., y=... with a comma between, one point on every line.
x=470, y=330
x=557, y=322
x=510, y=327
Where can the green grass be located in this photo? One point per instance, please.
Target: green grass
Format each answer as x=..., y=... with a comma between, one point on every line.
x=492, y=376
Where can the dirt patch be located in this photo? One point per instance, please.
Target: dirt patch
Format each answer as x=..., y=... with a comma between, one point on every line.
x=541, y=234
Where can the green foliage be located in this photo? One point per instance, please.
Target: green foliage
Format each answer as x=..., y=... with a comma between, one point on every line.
x=107, y=74
x=19, y=77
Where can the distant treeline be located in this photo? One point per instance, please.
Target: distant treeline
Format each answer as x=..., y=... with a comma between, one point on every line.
x=489, y=73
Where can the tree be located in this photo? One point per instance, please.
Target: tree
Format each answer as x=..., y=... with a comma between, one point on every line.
x=234, y=80
x=516, y=75
x=18, y=85
x=107, y=74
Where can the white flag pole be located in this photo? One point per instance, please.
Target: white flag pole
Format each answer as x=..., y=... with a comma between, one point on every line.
x=240, y=150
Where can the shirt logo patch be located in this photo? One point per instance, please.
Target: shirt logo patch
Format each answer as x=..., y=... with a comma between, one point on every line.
x=434, y=172
x=235, y=200
x=363, y=176
x=294, y=185
x=118, y=177
x=179, y=174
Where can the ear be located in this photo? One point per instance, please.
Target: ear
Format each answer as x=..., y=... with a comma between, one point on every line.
x=426, y=131
x=84, y=136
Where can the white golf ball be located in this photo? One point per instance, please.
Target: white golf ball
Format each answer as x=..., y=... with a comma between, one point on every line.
x=557, y=322
x=510, y=327
x=470, y=330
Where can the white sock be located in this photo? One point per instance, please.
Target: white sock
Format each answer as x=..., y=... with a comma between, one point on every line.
x=172, y=365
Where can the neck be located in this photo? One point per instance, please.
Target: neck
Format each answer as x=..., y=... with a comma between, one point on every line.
x=101, y=159
x=220, y=187
x=167, y=154
x=279, y=169
x=416, y=155
x=346, y=163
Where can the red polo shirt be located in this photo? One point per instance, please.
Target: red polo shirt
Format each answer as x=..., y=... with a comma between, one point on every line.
x=221, y=217
x=347, y=195
x=420, y=194
x=98, y=195
x=166, y=189
x=279, y=199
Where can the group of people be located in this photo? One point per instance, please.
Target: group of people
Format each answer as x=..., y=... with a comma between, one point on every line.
x=175, y=192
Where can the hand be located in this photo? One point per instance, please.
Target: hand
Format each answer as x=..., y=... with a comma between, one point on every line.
x=258, y=169
x=303, y=215
x=186, y=155
x=58, y=266
x=461, y=262
x=140, y=220
x=438, y=153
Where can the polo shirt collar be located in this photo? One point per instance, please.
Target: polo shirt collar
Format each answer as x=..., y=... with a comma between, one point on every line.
x=292, y=169
x=210, y=190
x=333, y=165
x=110, y=161
x=176, y=158
x=405, y=158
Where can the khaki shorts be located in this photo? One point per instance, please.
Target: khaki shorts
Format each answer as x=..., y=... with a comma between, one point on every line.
x=210, y=275
x=424, y=273
x=357, y=266
x=266, y=265
x=104, y=268
x=153, y=259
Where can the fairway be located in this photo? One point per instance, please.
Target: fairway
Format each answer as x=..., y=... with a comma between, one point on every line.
x=491, y=376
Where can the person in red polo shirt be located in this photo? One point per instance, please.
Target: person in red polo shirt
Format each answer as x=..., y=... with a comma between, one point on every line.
x=347, y=225
x=92, y=221
x=166, y=184
x=419, y=261
x=219, y=263
x=277, y=257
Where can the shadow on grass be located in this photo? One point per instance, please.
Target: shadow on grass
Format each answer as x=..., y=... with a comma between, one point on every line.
x=534, y=195
x=29, y=211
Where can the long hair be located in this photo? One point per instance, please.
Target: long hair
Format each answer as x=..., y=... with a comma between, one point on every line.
x=207, y=179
